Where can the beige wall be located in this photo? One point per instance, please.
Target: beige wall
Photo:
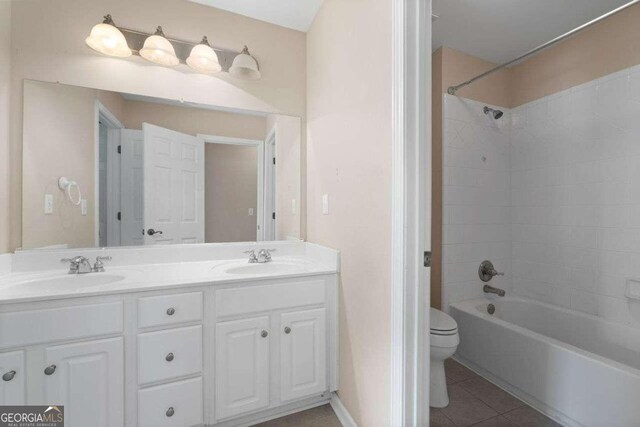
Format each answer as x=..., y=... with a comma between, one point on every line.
x=5, y=160
x=602, y=49
x=59, y=140
x=348, y=158
x=48, y=45
x=231, y=188
x=288, y=133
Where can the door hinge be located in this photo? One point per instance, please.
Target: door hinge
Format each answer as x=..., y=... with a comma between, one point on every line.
x=427, y=258
x=119, y=216
x=274, y=160
x=273, y=215
x=119, y=149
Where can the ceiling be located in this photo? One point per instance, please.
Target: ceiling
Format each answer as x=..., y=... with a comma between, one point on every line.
x=499, y=30
x=294, y=14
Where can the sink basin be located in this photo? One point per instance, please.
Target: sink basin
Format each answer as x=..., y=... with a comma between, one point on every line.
x=267, y=268
x=72, y=281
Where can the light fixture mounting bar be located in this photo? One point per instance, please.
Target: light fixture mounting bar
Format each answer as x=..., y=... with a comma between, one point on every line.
x=135, y=40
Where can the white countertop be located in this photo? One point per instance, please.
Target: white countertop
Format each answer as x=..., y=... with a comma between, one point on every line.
x=24, y=286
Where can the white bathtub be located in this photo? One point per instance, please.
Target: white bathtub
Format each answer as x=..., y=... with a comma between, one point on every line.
x=576, y=368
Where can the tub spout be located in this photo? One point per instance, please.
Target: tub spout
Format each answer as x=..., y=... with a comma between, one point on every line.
x=491, y=290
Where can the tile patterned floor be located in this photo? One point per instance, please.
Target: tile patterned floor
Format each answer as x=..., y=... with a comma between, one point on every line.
x=322, y=416
x=476, y=402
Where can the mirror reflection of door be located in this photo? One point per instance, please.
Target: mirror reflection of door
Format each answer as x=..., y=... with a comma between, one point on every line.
x=270, y=187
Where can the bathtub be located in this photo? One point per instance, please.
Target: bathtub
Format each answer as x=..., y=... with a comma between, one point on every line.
x=578, y=369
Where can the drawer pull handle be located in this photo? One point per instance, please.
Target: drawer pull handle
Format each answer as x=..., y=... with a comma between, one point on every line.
x=8, y=376
x=169, y=357
x=171, y=311
x=49, y=370
x=264, y=334
x=287, y=330
x=170, y=412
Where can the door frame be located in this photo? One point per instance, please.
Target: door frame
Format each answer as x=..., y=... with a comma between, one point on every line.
x=113, y=128
x=259, y=144
x=410, y=212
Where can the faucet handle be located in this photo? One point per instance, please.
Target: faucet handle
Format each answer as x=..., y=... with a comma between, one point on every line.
x=98, y=267
x=252, y=256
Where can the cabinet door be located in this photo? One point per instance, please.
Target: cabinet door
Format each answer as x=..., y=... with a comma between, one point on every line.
x=87, y=378
x=303, y=363
x=242, y=366
x=12, y=378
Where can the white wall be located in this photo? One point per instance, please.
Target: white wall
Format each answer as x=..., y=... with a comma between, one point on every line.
x=576, y=196
x=5, y=161
x=572, y=197
x=476, y=198
x=349, y=159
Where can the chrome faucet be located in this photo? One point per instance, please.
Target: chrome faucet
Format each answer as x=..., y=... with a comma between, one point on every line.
x=486, y=271
x=78, y=265
x=252, y=256
x=491, y=290
x=265, y=255
x=81, y=265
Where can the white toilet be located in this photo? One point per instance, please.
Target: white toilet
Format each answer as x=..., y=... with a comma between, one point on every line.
x=444, y=342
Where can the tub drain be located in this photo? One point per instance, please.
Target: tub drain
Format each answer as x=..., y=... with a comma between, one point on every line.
x=491, y=309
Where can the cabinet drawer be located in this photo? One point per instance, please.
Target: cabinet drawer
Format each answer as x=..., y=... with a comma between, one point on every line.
x=177, y=404
x=169, y=354
x=169, y=309
x=58, y=324
x=251, y=299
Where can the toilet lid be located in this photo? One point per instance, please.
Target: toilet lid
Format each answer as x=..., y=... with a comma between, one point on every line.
x=441, y=322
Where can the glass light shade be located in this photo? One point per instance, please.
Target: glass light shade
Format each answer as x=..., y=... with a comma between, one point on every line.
x=159, y=50
x=203, y=59
x=107, y=39
x=245, y=66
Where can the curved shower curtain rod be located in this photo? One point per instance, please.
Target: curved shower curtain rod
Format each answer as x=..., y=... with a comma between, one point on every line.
x=452, y=89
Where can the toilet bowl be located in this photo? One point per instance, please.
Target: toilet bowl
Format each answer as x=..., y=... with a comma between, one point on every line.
x=444, y=342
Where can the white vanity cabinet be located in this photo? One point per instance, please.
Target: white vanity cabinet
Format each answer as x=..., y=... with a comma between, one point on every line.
x=13, y=378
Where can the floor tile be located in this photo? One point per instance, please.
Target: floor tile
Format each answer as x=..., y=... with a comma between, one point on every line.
x=437, y=418
x=322, y=416
x=492, y=395
x=498, y=421
x=464, y=409
x=455, y=372
x=529, y=417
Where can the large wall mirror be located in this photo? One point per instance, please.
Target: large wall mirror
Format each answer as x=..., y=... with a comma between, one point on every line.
x=104, y=169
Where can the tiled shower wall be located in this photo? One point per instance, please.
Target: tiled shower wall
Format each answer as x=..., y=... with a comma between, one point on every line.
x=476, y=198
x=573, y=207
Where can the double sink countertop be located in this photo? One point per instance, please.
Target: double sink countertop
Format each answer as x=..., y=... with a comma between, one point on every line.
x=20, y=283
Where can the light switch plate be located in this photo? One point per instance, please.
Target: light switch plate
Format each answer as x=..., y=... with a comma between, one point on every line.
x=83, y=206
x=325, y=204
x=48, y=204
x=293, y=207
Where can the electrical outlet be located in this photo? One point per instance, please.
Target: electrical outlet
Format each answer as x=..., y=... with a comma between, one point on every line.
x=83, y=206
x=48, y=204
x=325, y=204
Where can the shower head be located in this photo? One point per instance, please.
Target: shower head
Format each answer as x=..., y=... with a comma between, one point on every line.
x=495, y=113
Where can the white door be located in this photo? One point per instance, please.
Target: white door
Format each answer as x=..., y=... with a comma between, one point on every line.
x=269, y=232
x=242, y=366
x=132, y=187
x=173, y=186
x=303, y=363
x=12, y=378
x=87, y=378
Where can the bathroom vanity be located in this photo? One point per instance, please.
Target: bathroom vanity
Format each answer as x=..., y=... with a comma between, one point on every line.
x=181, y=335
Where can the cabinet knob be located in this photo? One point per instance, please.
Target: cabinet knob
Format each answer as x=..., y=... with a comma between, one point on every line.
x=8, y=376
x=287, y=330
x=170, y=412
x=169, y=357
x=49, y=370
x=264, y=334
x=171, y=311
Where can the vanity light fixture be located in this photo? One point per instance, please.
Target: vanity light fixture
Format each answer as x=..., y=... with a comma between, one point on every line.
x=245, y=66
x=203, y=58
x=159, y=50
x=106, y=38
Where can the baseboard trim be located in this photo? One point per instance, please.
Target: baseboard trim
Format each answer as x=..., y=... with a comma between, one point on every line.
x=341, y=412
